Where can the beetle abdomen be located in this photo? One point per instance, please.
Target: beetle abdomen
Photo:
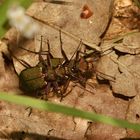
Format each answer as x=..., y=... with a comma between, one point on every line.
x=31, y=79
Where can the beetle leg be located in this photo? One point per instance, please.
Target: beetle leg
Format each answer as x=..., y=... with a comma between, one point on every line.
x=66, y=86
x=76, y=58
x=41, y=59
x=22, y=62
x=62, y=51
x=49, y=49
x=77, y=53
x=56, y=90
x=30, y=51
x=49, y=56
x=84, y=88
x=65, y=89
x=76, y=50
x=47, y=88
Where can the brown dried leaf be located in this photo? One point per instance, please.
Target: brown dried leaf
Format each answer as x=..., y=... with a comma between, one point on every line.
x=8, y=78
x=127, y=81
x=130, y=44
x=133, y=115
x=106, y=67
x=128, y=14
x=68, y=17
x=93, y=98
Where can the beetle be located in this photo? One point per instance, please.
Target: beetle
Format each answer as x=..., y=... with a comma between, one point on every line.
x=54, y=74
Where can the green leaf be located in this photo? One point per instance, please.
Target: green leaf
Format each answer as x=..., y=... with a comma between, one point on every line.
x=48, y=106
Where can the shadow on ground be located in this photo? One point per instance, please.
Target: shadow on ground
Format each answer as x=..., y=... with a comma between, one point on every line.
x=21, y=135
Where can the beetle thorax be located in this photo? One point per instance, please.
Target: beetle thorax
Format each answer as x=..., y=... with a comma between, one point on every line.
x=50, y=75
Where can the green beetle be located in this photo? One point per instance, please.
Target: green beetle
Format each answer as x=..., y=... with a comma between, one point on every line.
x=54, y=74
x=40, y=77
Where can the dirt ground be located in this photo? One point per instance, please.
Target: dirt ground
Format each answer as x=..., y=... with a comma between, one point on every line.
x=112, y=30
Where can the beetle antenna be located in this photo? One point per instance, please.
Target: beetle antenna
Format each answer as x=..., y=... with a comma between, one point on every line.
x=42, y=53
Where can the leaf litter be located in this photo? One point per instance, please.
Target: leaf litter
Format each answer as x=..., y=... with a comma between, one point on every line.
x=116, y=93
